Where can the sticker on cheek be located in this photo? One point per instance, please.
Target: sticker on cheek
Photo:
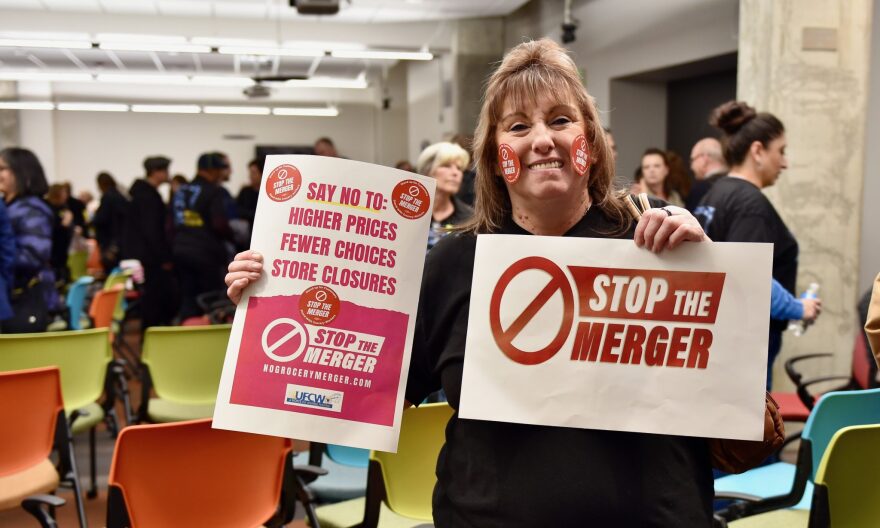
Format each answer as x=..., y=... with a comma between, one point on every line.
x=509, y=163
x=580, y=155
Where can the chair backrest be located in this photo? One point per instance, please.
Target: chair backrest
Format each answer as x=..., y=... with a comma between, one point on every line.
x=849, y=471
x=118, y=277
x=30, y=401
x=76, y=300
x=81, y=355
x=836, y=410
x=348, y=456
x=410, y=474
x=186, y=362
x=93, y=263
x=188, y=474
x=103, y=306
x=863, y=366
x=76, y=263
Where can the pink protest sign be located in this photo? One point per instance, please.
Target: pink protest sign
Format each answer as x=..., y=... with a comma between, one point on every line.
x=320, y=344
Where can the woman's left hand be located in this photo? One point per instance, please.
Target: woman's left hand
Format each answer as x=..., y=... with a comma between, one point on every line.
x=666, y=228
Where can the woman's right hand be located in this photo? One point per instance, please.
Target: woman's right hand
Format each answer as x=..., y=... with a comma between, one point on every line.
x=245, y=269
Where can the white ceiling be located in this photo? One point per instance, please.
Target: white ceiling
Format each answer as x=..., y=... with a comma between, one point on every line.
x=351, y=11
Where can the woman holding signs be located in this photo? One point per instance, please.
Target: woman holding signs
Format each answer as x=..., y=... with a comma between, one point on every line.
x=543, y=168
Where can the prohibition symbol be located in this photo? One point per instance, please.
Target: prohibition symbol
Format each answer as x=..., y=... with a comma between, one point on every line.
x=296, y=336
x=410, y=199
x=283, y=183
x=504, y=337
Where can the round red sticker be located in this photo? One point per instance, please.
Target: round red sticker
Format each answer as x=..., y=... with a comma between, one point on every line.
x=410, y=199
x=283, y=183
x=508, y=161
x=580, y=155
x=319, y=305
x=504, y=337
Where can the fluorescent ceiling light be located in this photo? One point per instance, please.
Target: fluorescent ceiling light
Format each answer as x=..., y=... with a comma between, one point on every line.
x=323, y=45
x=283, y=52
x=169, y=47
x=45, y=76
x=48, y=43
x=133, y=37
x=134, y=78
x=94, y=107
x=220, y=80
x=238, y=110
x=25, y=105
x=166, y=109
x=382, y=55
x=317, y=112
x=223, y=41
x=327, y=82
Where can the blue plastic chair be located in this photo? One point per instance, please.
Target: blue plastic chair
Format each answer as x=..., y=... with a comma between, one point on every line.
x=76, y=301
x=346, y=467
x=834, y=411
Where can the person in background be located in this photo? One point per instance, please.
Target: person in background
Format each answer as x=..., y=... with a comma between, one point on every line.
x=178, y=181
x=655, y=177
x=77, y=208
x=735, y=210
x=445, y=162
x=637, y=185
x=62, y=231
x=404, y=165
x=247, y=196
x=707, y=164
x=468, y=177
x=146, y=239
x=678, y=179
x=201, y=232
x=324, y=147
x=7, y=260
x=90, y=206
x=109, y=221
x=23, y=184
x=611, y=144
x=872, y=321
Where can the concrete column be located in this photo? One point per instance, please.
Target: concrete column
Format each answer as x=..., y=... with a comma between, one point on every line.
x=807, y=62
x=8, y=118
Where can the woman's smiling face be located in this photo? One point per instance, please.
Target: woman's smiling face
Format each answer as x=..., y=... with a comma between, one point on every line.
x=541, y=133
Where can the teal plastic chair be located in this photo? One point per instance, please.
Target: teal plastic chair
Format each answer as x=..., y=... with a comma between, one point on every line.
x=399, y=485
x=847, y=492
x=782, y=485
x=346, y=468
x=76, y=301
x=83, y=356
x=183, y=365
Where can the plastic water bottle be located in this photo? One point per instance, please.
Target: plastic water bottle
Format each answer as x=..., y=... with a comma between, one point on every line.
x=799, y=327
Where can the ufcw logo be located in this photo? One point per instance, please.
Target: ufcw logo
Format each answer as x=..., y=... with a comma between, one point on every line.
x=313, y=397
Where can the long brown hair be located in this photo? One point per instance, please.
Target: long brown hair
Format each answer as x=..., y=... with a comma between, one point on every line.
x=528, y=70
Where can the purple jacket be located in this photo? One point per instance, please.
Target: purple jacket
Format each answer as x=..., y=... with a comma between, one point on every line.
x=31, y=220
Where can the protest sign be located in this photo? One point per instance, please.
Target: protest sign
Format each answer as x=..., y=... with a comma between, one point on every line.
x=600, y=334
x=319, y=343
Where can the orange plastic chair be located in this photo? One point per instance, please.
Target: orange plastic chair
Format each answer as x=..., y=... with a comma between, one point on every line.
x=186, y=474
x=32, y=414
x=93, y=263
x=103, y=305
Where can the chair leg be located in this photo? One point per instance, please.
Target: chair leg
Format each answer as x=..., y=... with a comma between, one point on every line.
x=93, y=489
x=45, y=516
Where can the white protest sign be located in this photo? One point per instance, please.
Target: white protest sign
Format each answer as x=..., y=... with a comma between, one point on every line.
x=599, y=334
x=320, y=342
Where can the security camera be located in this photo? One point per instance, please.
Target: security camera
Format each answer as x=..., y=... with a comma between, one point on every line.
x=568, y=33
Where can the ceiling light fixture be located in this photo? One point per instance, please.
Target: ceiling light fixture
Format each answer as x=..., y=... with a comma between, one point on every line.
x=313, y=112
x=26, y=105
x=282, y=52
x=45, y=76
x=134, y=78
x=160, y=47
x=166, y=109
x=220, y=80
x=238, y=110
x=382, y=55
x=41, y=43
x=327, y=82
x=94, y=107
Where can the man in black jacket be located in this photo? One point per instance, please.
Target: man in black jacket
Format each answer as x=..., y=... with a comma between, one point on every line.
x=109, y=221
x=146, y=239
x=201, y=231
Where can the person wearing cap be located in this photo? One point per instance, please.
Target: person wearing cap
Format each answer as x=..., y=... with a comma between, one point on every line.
x=201, y=231
x=146, y=239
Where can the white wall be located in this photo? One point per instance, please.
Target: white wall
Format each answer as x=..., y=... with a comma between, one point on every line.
x=639, y=122
x=869, y=265
x=88, y=142
x=427, y=117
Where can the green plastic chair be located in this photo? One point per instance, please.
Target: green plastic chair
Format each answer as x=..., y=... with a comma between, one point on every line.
x=847, y=493
x=183, y=365
x=400, y=485
x=76, y=263
x=83, y=357
x=120, y=277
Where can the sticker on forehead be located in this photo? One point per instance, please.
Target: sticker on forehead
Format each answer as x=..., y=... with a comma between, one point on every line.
x=580, y=155
x=509, y=163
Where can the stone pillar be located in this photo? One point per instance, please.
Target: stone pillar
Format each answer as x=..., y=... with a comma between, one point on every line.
x=8, y=118
x=807, y=62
